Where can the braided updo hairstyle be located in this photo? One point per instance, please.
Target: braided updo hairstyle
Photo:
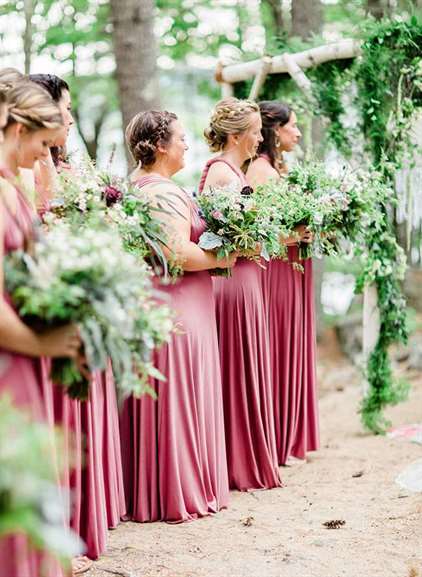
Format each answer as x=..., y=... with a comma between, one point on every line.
x=230, y=116
x=273, y=115
x=32, y=106
x=146, y=132
x=9, y=77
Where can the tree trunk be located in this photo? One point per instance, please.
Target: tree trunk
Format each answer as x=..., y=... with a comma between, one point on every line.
x=306, y=18
x=380, y=8
x=136, y=55
x=28, y=8
x=273, y=21
x=375, y=8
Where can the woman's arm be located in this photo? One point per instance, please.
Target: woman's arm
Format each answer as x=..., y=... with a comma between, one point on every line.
x=46, y=181
x=15, y=336
x=175, y=215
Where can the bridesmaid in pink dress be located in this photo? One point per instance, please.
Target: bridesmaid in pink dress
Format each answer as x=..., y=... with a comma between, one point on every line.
x=235, y=131
x=174, y=450
x=92, y=426
x=33, y=123
x=289, y=298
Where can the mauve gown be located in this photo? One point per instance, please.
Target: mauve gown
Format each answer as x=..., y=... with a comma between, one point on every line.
x=174, y=451
x=21, y=379
x=245, y=371
x=94, y=475
x=95, y=478
x=289, y=298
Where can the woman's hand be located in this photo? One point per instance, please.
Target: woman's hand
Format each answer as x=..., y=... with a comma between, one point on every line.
x=306, y=235
x=227, y=262
x=62, y=342
x=301, y=233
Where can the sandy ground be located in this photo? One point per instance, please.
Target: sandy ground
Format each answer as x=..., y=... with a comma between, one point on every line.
x=280, y=533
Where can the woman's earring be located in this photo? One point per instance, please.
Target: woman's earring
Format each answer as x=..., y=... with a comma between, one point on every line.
x=277, y=142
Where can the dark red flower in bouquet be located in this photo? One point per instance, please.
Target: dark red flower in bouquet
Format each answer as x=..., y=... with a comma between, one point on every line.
x=112, y=195
x=246, y=190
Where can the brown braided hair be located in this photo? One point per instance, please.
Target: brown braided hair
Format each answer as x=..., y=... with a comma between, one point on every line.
x=146, y=132
x=230, y=116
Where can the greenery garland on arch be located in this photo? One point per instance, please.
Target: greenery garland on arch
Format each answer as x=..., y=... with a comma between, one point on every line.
x=388, y=78
x=386, y=90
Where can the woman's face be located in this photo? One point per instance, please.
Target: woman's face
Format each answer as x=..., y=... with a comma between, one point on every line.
x=288, y=134
x=65, y=105
x=249, y=140
x=35, y=145
x=176, y=148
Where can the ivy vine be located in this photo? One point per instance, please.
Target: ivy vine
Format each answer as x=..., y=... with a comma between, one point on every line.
x=386, y=82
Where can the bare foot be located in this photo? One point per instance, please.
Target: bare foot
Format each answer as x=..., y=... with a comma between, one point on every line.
x=294, y=462
x=80, y=565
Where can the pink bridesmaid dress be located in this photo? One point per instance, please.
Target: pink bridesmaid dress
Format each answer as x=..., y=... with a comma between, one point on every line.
x=21, y=380
x=289, y=299
x=245, y=370
x=174, y=451
x=94, y=475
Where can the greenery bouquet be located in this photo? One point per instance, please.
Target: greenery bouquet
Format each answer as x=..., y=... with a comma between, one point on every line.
x=88, y=279
x=34, y=505
x=137, y=221
x=338, y=210
x=239, y=221
x=88, y=197
x=80, y=195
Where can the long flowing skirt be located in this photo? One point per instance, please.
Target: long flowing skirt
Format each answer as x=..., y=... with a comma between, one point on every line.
x=21, y=380
x=93, y=462
x=245, y=369
x=174, y=450
x=289, y=300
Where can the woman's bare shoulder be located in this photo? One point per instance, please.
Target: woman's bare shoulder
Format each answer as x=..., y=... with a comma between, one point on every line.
x=260, y=171
x=219, y=174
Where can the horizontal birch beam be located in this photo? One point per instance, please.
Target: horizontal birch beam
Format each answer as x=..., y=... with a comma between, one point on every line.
x=342, y=50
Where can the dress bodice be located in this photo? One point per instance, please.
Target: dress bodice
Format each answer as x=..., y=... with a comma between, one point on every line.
x=235, y=169
x=18, y=225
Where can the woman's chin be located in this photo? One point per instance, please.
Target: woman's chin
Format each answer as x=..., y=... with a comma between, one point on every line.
x=28, y=164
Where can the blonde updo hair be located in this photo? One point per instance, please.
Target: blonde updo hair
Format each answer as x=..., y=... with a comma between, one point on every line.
x=146, y=132
x=9, y=77
x=32, y=106
x=230, y=116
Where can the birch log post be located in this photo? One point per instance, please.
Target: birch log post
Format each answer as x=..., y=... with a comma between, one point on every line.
x=297, y=74
x=371, y=326
x=344, y=49
x=260, y=77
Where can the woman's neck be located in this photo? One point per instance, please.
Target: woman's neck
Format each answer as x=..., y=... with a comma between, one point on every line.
x=154, y=169
x=8, y=159
x=235, y=157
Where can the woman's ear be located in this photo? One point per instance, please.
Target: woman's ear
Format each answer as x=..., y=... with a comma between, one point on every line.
x=232, y=139
x=20, y=129
x=161, y=149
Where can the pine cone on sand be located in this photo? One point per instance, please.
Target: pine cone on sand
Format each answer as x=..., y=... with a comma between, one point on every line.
x=334, y=524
